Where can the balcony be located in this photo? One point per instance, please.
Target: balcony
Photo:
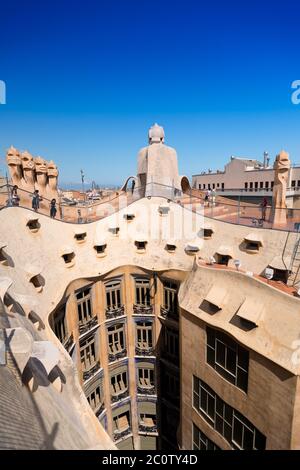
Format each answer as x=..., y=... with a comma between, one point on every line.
x=121, y=434
x=171, y=314
x=88, y=325
x=111, y=313
x=144, y=352
x=143, y=309
x=148, y=429
x=69, y=343
x=89, y=373
x=116, y=356
x=146, y=390
x=120, y=396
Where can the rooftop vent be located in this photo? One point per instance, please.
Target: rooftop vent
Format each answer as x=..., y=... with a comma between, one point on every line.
x=33, y=224
x=68, y=256
x=164, y=209
x=129, y=216
x=140, y=243
x=193, y=247
x=80, y=236
x=114, y=229
x=171, y=246
x=100, y=247
x=253, y=242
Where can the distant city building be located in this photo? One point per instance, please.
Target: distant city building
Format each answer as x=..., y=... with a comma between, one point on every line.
x=248, y=178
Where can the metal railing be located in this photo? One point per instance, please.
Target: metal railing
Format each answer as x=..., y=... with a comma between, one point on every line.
x=147, y=429
x=117, y=356
x=143, y=309
x=89, y=373
x=120, y=396
x=234, y=212
x=120, y=434
x=144, y=352
x=88, y=325
x=146, y=390
x=112, y=313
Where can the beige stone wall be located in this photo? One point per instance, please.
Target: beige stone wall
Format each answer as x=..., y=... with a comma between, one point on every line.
x=269, y=403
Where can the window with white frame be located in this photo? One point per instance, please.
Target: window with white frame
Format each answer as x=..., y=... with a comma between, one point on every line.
x=170, y=302
x=145, y=377
x=231, y=424
x=227, y=357
x=118, y=383
x=84, y=306
x=87, y=353
x=144, y=339
x=147, y=420
x=142, y=292
x=95, y=398
x=113, y=294
x=116, y=338
x=121, y=422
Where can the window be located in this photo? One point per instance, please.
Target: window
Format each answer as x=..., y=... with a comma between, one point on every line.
x=87, y=353
x=293, y=183
x=60, y=328
x=223, y=186
x=142, y=292
x=170, y=301
x=171, y=343
x=228, y=358
x=145, y=377
x=95, y=398
x=148, y=420
x=209, y=186
x=199, y=186
x=251, y=186
x=272, y=184
x=218, y=185
x=144, y=338
x=261, y=185
x=84, y=306
x=213, y=186
x=116, y=338
x=118, y=383
x=256, y=184
x=232, y=425
x=113, y=294
x=246, y=185
x=121, y=422
x=298, y=183
x=203, y=186
x=201, y=442
x=267, y=185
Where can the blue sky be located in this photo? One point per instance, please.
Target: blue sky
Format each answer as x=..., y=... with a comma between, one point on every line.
x=85, y=80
